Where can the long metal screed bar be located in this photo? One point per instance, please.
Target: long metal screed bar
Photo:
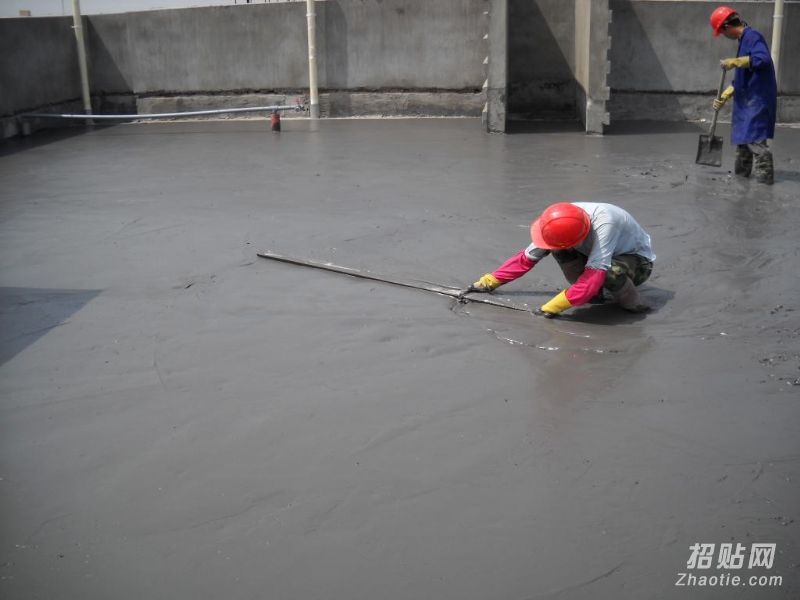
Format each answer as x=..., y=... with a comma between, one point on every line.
x=443, y=290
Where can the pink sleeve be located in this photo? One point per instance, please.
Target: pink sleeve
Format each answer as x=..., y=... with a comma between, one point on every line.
x=588, y=284
x=514, y=267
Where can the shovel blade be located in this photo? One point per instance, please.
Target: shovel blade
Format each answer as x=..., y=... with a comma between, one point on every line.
x=709, y=151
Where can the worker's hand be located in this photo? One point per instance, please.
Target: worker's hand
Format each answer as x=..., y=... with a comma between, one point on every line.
x=740, y=62
x=556, y=305
x=487, y=283
x=724, y=97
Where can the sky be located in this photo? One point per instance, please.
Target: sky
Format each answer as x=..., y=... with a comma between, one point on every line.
x=54, y=8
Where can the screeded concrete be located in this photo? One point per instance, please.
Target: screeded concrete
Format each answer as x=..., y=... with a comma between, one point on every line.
x=183, y=420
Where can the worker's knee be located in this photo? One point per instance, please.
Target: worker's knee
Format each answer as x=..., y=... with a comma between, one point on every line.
x=629, y=266
x=615, y=277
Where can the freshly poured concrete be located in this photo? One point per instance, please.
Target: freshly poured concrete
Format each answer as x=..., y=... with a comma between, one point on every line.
x=183, y=420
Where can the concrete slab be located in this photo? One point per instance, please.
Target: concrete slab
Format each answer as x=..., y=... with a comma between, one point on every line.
x=183, y=420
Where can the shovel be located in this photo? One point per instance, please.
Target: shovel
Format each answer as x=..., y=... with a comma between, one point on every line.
x=709, y=148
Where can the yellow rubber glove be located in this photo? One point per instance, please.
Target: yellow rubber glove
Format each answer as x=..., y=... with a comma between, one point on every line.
x=720, y=102
x=556, y=305
x=740, y=62
x=487, y=283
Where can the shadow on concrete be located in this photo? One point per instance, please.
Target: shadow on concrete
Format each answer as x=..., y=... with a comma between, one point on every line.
x=658, y=127
x=611, y=314
x=336, y=61
x=524, y=293
x=636, y=69
x=564, y=126
x=541, y=84
x=601, y=314
x=112, y=92
x=46, y=136
x=26, y=314
x=787, y=176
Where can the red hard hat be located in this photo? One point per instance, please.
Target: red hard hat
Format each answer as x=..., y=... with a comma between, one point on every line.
x=718, y=18
x=561, y=225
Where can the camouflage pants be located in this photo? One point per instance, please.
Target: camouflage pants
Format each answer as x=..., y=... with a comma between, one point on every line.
x=632, y=266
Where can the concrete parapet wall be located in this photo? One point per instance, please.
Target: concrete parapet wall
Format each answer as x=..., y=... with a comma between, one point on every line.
x=38, y=63
x=403, y=44
x=361, y=44
x=410, y=51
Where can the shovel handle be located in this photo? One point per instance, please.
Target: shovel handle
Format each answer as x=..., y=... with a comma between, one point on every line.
x=716, y=112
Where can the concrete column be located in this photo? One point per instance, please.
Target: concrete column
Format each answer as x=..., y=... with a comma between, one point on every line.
x=313, y=91
x=77, y=25
x=494, y=113
x=592, y=43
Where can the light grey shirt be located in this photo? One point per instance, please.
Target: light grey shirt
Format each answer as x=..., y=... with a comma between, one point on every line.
x=614, y=232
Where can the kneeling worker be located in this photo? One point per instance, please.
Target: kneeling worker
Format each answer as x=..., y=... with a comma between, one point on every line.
x=598, y=247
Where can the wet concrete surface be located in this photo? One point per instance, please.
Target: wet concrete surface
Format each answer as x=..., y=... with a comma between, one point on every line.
x=183, y=420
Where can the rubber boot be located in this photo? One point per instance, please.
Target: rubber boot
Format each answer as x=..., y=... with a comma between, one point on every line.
x=744, y=161
x=765, y=172
x=628, y=298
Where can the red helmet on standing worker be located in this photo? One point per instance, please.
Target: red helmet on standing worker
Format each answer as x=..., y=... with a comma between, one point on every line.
x=561, y=225
x=718, y=18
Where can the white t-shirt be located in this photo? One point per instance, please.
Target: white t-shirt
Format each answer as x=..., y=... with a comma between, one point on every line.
x=614, y=232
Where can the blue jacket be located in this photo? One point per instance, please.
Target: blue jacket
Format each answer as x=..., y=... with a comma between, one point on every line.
x=755, y=96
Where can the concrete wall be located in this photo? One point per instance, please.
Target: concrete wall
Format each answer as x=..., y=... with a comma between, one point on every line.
x=404, y=43
x=665, y=61
x=38, y=64
x=374, y=57
x=361, y=44
x=541, y=59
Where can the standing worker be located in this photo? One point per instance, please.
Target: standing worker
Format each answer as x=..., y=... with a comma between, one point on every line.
x=598, y=246
x=755, y=95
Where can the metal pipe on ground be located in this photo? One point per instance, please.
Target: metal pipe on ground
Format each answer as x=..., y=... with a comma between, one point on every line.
x=193, y=113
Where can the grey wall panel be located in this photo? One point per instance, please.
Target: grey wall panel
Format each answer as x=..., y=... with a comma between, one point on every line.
x=541, y=58
x=368, y=44
x=38, y=63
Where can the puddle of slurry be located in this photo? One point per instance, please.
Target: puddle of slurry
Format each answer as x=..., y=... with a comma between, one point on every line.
x=518, y=342
x=531, y=331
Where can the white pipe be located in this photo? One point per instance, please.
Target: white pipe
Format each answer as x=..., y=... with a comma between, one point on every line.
x=777, y=36
x=77, y=25
x=193, y=113
x=312, y=59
